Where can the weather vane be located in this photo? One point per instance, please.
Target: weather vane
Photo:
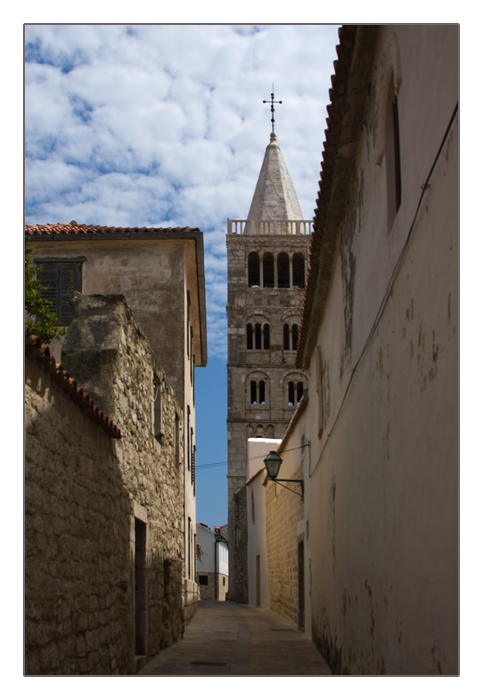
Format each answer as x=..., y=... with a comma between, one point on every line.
x=272, y=108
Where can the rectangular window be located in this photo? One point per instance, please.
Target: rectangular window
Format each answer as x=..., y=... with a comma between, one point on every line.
x=203, y=580
x=157, y=426
x=60, y=279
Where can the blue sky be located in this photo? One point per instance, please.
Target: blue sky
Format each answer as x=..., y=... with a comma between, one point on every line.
x=164, y=125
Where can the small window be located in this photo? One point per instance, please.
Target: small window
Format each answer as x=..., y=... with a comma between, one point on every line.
x=283, y=270
x=268, y=270
x=290, y=336
x=156, y=407
x=249, y=336
x=61, y=280
x=393, y=155
x=299, y=271
x=266, y=337
x=203, y=579
x=286, y=337
x=258, y=336
x=253, y=391
x=291, y=394
x=262, y=391
x=253, y=270
x=300, y=391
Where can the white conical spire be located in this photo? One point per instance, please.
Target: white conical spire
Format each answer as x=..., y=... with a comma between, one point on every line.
x=274, y=198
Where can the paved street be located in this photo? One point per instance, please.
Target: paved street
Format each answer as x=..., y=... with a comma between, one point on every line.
x=227, y=639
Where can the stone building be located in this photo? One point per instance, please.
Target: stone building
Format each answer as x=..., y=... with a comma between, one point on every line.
x=369, y=559
x=160, y=272
x=267, y=264
x=104, y=498
x=212, y=568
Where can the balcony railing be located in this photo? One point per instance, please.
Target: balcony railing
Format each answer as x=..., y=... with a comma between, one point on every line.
x=269, y=227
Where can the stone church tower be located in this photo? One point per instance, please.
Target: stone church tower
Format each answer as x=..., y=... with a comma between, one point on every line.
x=267, y=266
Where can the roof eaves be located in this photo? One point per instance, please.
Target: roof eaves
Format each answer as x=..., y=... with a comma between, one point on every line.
x=348, y=94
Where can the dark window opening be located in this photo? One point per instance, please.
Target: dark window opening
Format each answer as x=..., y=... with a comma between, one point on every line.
x=202, y=579
x=140, y=581
x=300, y=391
x=392, y=155
x=258, y=336
x=298, y=271
x=286, y=337
x=262, y=391
x=295, y=335
x=61, y=280
x=283, y=269
x=157, y=407
x=397, y=153
x=268, y=270
x=253, y=391
x=266, y=337
x=291, y=394
x=249, y=336
x=253, y=270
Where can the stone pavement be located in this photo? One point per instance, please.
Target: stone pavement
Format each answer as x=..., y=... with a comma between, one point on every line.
x=227, y=639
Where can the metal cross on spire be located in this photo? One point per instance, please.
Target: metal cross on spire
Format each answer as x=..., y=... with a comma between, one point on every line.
x=272, y=108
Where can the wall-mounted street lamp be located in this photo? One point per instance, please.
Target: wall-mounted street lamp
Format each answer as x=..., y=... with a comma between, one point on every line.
x=272, y=462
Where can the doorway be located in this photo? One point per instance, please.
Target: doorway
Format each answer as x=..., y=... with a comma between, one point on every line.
x=140, y=586
x=301, y=585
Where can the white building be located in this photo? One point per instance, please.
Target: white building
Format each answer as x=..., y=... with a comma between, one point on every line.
x=212, y=565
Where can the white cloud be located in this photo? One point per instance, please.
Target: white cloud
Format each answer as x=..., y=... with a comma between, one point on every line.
x=164, y=125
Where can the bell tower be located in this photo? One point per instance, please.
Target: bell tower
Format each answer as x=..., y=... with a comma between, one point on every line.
x=267, y=257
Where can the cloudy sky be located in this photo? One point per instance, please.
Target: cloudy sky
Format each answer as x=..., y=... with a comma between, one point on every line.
x=164, y=125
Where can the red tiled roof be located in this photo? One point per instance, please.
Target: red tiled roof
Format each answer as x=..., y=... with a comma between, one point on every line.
x=35, y=349
x=86, y=230
x=347, y=97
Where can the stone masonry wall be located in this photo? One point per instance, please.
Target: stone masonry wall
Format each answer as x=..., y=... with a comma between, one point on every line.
x=84, y=494
x=207, y=592
x=284, y=510
x=78, y=583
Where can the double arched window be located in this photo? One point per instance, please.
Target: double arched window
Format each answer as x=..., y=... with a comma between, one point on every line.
x=283, y=272
x=295, y=392
x=290, y=336
x=257, y=391
x=258, y=336
x=257, y=388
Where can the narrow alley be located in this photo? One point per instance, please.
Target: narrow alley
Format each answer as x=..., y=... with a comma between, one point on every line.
x=228, y=639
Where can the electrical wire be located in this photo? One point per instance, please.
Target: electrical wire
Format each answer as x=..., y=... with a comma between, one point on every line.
x=389, y=287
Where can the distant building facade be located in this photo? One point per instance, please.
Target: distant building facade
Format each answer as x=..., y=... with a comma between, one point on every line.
x=212, y=565
x=267, y=266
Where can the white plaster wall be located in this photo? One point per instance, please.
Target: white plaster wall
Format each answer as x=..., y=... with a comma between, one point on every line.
x=382, y=492
x=206, y=540
x=257, y=450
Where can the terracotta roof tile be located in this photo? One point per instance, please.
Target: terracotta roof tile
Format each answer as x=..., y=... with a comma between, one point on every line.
x=35, y=349
x=88, y=231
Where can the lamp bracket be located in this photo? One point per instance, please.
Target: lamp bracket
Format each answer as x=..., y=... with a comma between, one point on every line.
x=292, y=481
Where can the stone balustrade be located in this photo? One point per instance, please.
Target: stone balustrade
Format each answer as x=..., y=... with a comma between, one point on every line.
x=270, y=227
